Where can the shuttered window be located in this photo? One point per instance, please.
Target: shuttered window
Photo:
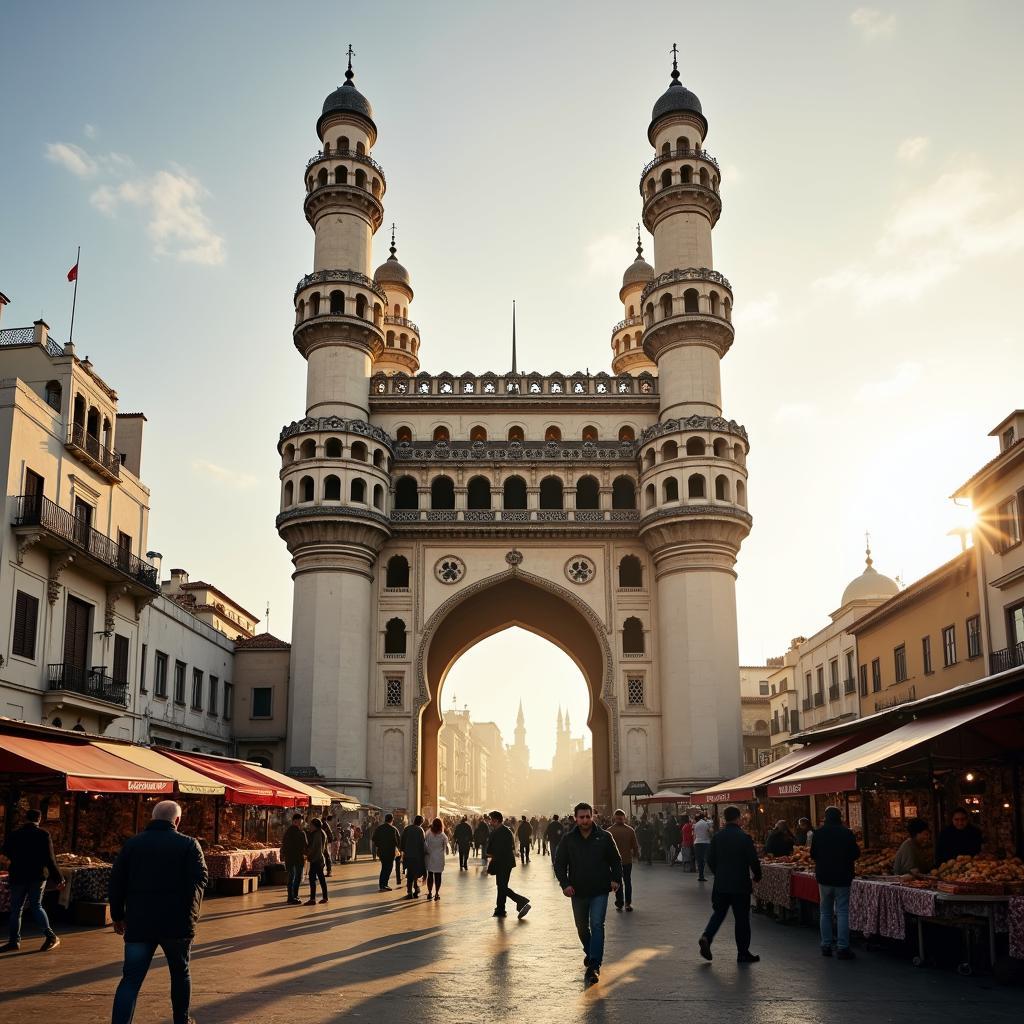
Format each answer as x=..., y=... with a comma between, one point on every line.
x=120, y=658
x=26, y=616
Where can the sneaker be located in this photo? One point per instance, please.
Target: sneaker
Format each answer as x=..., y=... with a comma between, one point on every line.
x=748, y=958
x=52, y=942
x=846, y=954
x=524, y=909
x=324, y=900
x=10, y=947
x=705, y=947
x=593, y=976
x=499, y=913
x=309, y=903
x=826, y=950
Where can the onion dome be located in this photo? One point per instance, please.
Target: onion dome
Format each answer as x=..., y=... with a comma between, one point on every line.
x=391, y=271
x=347, y=99
x=639, y=271
x=676, y=99
x=870, y=585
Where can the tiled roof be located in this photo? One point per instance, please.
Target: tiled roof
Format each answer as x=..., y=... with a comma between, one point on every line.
x=262, y=642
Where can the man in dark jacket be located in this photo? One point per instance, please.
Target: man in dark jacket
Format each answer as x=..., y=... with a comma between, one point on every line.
x=588, y=867
x=385, y=842
x=834, y=851
x=293, y=853
x=958, y=838
x=554, y=834
x=156, y=890
x=30, y=851
x=732, y=860
x=501, y=859
x=414, y=857
x=524, y=833
x=463, y=836
x=480, y=836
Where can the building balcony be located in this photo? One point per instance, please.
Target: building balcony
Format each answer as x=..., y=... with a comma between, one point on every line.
x=833, y=692
x=676, y=154
x=1009, y=657
x=806, y=703
x=87, y=682
x=849, y=686
x=819, y=700
x=37, y=520
x=95, y=455
x=518, y=516
x=400, y=321
x=630, y=321
x=346, y=154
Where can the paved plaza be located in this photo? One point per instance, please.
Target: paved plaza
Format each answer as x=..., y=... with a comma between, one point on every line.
x=377, y=957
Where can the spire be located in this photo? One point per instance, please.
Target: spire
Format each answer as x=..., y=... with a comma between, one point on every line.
x=867, y=550
x=639, y=244
x=349, y=74
x=393, y=249
x=514, y=371
x=675, y=65
x=520, y=718
x=559, y=718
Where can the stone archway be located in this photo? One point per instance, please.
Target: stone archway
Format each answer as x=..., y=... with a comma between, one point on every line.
x=514, y=598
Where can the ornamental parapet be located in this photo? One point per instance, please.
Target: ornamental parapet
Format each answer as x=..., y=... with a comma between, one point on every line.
x=703, y=511
x=535, y=516
x=348, y=154
x=685, y=274
x=343, y=277
x=515, y=451
x=336, y=424
x=713, y=423
x=528, y=385
x=677, y=154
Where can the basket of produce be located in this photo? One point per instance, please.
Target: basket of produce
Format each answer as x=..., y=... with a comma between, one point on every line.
x=875, y=862
x=983, y=875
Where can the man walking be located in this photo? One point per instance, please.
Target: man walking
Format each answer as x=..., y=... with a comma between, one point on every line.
x=524, y=833
x=414, y=855
x=733, y=859
x=293, y=853
x=555, y=831
x=30, y=851
x=385, y=842
x=540, y=834
x=588, y=867
x=463, y=836
x=501, y=859
x=156, y=890
x=702, y=833
x=645, y=836
x=624, y=838
x=834, y=850
x=480, y=836
x=332, y=841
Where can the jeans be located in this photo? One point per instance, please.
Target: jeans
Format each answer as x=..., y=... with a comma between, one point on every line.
x=386, y=863
x=524, y=852
x=624, y=893
x=464, y=857
x=721, y=902
x=504, y=892
x=32, y=893
x=700, y=851
x=137, y=958
x=839, y=897
x=316, y=871
x=589, y=913
x=294, y=879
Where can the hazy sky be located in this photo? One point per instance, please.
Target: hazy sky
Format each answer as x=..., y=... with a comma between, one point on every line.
x=873, y=227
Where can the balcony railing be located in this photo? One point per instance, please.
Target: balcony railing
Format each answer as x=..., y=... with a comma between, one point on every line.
x=346, y=154
x=677, y=154
x=630, y=321
x=819, y=700
x=849, y=686
x=83, y=444
x=90, y=682
x=1009, y=657
x=27, y=336
x=806, y=703
x=401, y=321
x=833, y=692
x=616, y=515
x=35, y=510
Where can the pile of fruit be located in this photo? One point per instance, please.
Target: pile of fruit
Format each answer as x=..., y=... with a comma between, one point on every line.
x=73, y=860
x=800, y=858
x=876, y=862
x=918, y=883
x=983, y=868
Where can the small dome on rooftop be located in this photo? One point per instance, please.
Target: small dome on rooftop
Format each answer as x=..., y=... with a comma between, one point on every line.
x=391, y=271
x=347, y=99
x=676, y=99
x=639, y=271
x=870, y=585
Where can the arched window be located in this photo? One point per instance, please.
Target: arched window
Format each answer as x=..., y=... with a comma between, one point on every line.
x=360, y=179
x=407, y=495
x=588, y=493
x=650, y=497
x=666, y=178
x=79, y=411
x=397, y=574
x=695, y=487
x=394, y=637
x=691, y=301
x=632, y=636
x=358, y=451
x=442, y=493
x=716, y=305
x=332, y=488
x=375, y=187
x=289, y=453
x=378, y=312
x=300, y=311
x=666, y=150
x=649, y=459
x=727, y=309
x=682, y=144
x=516, y=434
x=514, y=493
x=357, y=490
x=670, y=489
x=340, y=175
x=631, y=572
x=478, y=493
x=669, y=451
x=360, y=149
x=705, y=178
x=478, y=433
x=308, y=448
x=626, y=433
x=314, y=304
x=650, y=186
x=553, y=433
x=722, y=488
x=306, y=489
x=695, y=446
x=321, y=178
x=721, y=448
x=337, y=301
x=92, y=423
x=378, y=498
x=361, y=306
x=403, y=435
x=332, y=448
x=623, y=492
x=649, y=314
x=54, y=393
x=686, y=175
x=378, y=457
x=589, y=433
x=551, y=492
x=441, y=434
x=737, y=453
x=343, y=144
x=289, y=494
x=666, y=305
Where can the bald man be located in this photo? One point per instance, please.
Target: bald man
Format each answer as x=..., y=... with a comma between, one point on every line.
x=156, y=890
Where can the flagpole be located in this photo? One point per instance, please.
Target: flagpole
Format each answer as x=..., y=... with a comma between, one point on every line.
x=74, y=299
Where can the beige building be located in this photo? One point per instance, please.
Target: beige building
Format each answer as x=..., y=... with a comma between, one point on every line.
x=996, y=495
x=210, y=604
x=260, y=718
x=755, y=710
x=924, y=640
x=784, y=701
x=424, y=512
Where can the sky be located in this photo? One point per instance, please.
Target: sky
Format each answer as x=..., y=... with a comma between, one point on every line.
x=873, y=230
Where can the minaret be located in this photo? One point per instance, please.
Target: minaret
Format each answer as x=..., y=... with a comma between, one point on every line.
x=693, y=481
x=334, y=464
x=628, y=354
x=520, y=727
x=401, y=335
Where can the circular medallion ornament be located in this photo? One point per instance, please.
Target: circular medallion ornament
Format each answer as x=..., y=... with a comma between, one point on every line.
x=580, y=569
x=450, y=569
x=514, y=558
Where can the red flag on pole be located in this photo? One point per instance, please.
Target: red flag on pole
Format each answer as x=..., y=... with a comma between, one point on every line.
x=73, y=273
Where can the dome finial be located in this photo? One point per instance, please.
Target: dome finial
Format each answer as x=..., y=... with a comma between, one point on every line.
x=675, y=64
x=393, y=250
x=639, y=244
x=867, y=550
x=349, y=74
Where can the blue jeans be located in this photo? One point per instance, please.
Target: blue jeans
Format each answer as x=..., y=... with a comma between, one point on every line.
x=700, y=851
x=624, y=893
x=33, y=894
x=589, y=913
x=839, y=897
x=137, y=958
x=294, y=879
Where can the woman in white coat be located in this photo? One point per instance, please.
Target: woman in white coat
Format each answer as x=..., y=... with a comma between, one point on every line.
x=437, y=848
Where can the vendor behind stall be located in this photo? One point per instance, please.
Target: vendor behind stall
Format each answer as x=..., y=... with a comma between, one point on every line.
x=915, y=857
x=780, y=840
x=961, y=837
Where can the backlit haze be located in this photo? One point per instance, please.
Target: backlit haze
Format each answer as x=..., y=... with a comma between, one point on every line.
x=873, y=228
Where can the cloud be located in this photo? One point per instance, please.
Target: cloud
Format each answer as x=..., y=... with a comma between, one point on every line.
x=905, y=379
x=910, y=149
x=872, y=23
x=72, y=158
x=763, y=312
x=230, y=477
x=89, y=131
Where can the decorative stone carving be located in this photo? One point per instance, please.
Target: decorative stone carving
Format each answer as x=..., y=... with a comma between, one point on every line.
x=26, y=541
x=58, y=563
x=450, y=569
x=113, y=593
x=514, y=558
x=580, y=569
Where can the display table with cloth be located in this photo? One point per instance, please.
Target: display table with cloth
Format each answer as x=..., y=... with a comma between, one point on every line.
x=1015, y=925
x=91, y=884
x=804, y=886
x=774, y=887
x=241, y=862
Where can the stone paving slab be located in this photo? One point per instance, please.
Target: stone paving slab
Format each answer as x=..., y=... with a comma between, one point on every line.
x=375, y=957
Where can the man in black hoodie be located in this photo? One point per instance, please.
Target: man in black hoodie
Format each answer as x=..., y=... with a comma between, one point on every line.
x=834, y=851
x=501, y=859
x=30, y=851
x=463, y=836
x=588, y=867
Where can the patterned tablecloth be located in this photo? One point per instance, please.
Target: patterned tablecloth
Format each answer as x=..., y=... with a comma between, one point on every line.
x=1015, y=924
x=240, y=862
x=89, y=884
x=774, y=886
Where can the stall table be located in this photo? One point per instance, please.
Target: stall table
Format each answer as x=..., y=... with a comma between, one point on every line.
x=1015, y=925
x=775, y=885
x=804, y=886
x=91, y=884
x=240, y=862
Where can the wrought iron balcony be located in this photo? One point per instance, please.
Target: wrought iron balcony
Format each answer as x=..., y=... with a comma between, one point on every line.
x=27, y=336
x=678, y=154
x=1009, y=657
x=88, y=448
x=833, y=692
x=89, y=682
x=630, y=321
x=346, y=154
x=343, y=277
x=400, y=321
x=56, y=523
x=849, y=686
x=819, y=700
x=685, y=274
